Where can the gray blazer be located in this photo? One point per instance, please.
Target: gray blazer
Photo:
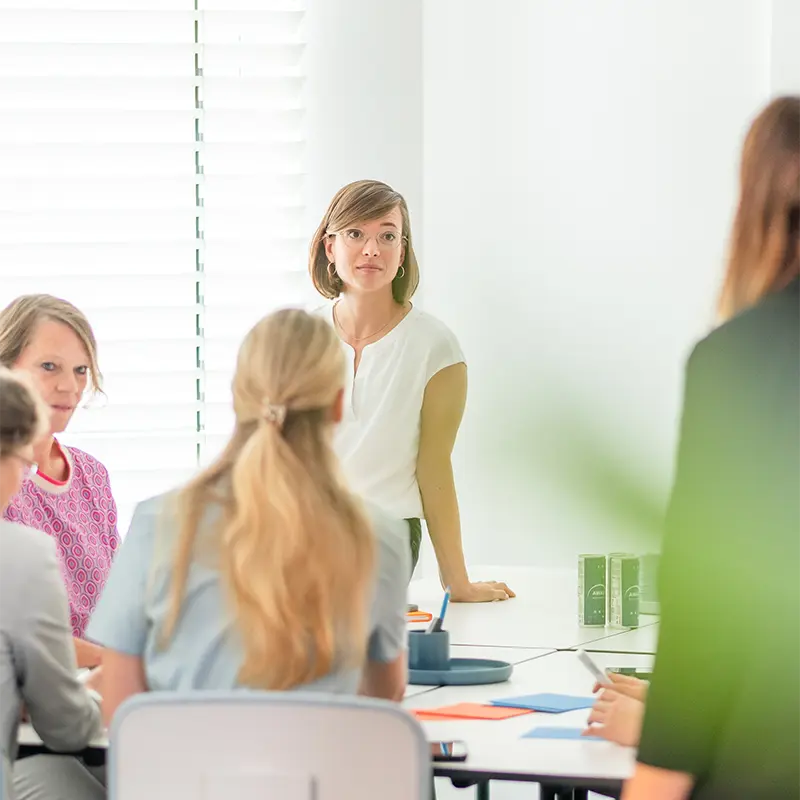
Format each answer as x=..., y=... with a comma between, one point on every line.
x=37, y=655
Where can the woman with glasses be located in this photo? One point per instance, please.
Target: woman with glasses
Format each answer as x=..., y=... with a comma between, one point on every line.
x=407, y=378
x=68, y=495
x=38, y=669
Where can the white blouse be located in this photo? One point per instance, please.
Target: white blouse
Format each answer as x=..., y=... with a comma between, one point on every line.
x=378, y=438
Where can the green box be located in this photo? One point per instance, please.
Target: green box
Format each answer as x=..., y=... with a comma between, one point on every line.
x=592, y=591
x=623, y=590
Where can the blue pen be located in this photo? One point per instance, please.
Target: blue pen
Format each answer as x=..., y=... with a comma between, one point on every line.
x=445, y=603
x=437, y=623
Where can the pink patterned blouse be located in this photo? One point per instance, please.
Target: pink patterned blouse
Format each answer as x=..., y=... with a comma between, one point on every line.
x=81, y=515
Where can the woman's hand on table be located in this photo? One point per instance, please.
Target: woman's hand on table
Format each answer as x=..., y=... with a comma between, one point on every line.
x=617, y=718
x=481, y=592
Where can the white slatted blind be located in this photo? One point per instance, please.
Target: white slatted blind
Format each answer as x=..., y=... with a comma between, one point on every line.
x=151, y=154
x=252, y=158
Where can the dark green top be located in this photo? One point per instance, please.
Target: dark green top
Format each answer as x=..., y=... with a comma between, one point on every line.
x=724, y=703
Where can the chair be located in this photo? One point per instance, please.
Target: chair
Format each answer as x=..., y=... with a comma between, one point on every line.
x=258, y=745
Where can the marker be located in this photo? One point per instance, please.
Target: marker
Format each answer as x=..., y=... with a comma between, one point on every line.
x=437, y=623
x=600, y=675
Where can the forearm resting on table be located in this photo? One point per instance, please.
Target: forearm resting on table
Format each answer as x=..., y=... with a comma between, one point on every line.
x=440, y=503
x=88, y=654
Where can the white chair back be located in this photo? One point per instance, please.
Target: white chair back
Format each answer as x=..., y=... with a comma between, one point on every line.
x=258, y=746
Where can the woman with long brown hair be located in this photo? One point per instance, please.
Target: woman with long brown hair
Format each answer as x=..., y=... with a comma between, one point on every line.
x=722, y=716
x=264, y=571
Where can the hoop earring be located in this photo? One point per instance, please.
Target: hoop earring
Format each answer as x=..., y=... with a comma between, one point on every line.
x=401, y=273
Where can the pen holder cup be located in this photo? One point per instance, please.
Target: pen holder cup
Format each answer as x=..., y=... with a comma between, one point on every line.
x=428, y=651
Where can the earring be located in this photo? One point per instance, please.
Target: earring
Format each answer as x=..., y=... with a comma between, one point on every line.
x=401, y=272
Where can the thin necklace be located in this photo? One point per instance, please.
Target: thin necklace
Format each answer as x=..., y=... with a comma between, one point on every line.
x=363, y=338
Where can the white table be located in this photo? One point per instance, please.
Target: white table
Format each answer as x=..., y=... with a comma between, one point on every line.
x=513, y=655
x=543, y=614
x=526, y=632
x=29, y=738
x=413, y=691
x=639, y=640
x=496, y=751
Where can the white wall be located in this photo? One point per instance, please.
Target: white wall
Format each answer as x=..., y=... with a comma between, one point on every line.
x=364, y=98
x=785, y=55
x=570, y=167
x=578, y=179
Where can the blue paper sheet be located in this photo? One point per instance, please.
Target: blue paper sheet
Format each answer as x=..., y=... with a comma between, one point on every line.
x=551, y=703
x=560, y=733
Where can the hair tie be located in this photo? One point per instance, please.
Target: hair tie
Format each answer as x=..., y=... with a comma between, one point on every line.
x=274, y=414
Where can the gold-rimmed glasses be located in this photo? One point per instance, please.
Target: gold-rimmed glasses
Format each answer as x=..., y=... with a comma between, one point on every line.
x=356, y=238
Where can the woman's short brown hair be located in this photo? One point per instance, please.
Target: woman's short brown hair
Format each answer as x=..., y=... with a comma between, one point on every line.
x=764, y=251
x=24, y=418
x=362, y=201
x=18, y=321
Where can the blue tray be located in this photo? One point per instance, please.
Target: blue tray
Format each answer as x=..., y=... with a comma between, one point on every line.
x=463, y=672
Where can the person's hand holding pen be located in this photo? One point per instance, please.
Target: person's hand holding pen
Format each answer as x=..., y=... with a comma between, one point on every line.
x=617, y=718
x=618, y=712
x=624, y=684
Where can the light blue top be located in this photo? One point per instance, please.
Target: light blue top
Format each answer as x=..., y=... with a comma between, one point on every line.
x=205, y=651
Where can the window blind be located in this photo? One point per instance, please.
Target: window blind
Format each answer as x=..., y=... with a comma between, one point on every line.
x=253, y=190
x=153, y=154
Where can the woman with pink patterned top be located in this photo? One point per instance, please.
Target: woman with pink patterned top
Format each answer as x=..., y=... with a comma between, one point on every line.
x=69, y=495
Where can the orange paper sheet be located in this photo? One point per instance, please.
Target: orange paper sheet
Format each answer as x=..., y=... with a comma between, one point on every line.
x=423, y=717
x=468, y=711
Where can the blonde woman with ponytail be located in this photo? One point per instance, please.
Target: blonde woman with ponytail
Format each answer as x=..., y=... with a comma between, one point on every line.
x=264, y=572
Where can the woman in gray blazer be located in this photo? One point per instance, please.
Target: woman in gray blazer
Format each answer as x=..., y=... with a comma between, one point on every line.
x=38, y=670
